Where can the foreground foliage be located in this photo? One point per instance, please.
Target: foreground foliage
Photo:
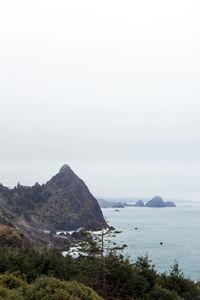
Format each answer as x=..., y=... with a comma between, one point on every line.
x=15, y=286
x=28, y=274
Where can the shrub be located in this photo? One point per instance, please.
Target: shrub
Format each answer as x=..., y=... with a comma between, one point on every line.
x=51, y=288
x=160, y=293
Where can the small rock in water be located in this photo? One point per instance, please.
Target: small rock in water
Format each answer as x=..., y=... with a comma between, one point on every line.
x=136, y=228
x=161, y=243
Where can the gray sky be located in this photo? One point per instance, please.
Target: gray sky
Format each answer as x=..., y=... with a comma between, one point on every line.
x=111, y=88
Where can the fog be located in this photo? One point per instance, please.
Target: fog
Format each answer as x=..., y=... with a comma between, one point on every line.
x=110, y=88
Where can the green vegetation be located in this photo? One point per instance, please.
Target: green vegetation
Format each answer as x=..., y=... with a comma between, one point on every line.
x=13, y=238
x=28, y=274
x=15, y=286
x=64, y=202
x=23, y=199
x=4, y=221
x=100, y=270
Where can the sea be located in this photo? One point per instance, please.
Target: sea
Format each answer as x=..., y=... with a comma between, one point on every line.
x=166, y=235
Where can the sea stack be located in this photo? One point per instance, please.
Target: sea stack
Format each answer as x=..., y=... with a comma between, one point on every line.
x=157, y=201
x=169, y=204
x=139, y=203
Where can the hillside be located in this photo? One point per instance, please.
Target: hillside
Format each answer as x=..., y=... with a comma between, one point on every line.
x=63, y=203
x=12, y=238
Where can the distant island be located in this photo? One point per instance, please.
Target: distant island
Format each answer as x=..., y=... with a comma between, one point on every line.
x=156, y=201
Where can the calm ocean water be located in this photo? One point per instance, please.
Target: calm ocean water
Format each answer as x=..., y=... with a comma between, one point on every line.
x=178, y=228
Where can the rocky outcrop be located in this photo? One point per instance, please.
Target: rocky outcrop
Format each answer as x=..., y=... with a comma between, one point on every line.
x=155, y=202
x=73, y=204
x=139, y=203
x=158, y=202
x=64, y=203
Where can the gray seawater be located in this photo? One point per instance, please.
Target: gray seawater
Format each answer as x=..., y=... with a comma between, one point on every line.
x=178, y=228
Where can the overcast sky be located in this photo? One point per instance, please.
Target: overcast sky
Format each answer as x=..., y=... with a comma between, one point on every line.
x=111, y=88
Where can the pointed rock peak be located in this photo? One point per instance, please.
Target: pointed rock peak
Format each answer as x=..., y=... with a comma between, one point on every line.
x=65, y=169
x=157, y=201
x=139, y=203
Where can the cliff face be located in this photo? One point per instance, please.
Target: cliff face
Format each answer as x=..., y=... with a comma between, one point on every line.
x=70, y=205
x=63, y=203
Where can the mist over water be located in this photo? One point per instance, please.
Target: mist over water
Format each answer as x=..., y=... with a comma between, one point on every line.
x=178, y=228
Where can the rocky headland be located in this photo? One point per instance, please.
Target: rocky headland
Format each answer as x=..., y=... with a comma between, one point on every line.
x=64, y=203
